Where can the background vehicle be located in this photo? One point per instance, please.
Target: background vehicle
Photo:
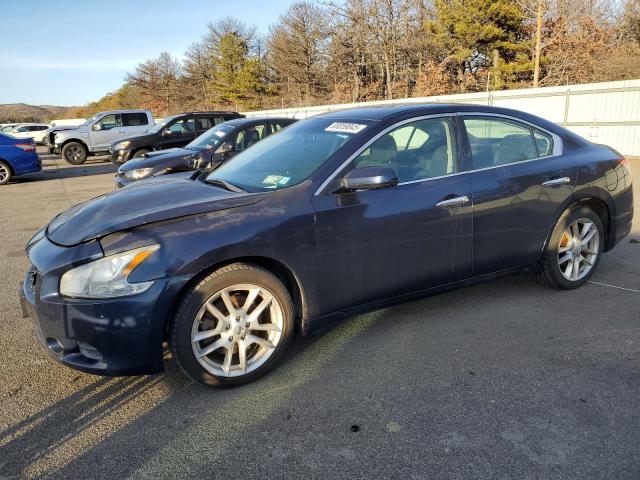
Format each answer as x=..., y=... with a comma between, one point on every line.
x=174, y=131
x=57, y=126
x=206, y=152
x=17, y=157
x=7, y=127
x=337, y=214
x=29, y=130
x=97, y=133
x=67, y=122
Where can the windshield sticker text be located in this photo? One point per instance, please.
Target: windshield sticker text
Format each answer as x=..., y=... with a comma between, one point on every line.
x=345, y=127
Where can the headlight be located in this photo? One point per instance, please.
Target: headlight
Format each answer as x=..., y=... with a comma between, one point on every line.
x=138, y=173
x=122, y=145
x=107, y=277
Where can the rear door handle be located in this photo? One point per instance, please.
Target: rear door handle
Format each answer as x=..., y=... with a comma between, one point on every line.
x=557, y=181
x=453, y=202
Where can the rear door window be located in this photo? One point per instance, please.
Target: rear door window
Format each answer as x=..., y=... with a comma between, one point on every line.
x=205, y=123
x=250, y=135
x=277, y=126
x=134, y=119
x=496, y=142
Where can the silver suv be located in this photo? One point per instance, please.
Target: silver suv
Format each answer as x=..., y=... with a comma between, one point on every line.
x=96, y=134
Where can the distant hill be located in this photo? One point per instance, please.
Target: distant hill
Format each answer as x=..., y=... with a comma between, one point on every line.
x=21, y=112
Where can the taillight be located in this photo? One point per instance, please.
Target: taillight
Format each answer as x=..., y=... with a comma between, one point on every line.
x=27, y=147
x=625, y=163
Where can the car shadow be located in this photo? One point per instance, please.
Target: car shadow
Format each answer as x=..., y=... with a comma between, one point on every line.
x=93, y=166
x=61, y=441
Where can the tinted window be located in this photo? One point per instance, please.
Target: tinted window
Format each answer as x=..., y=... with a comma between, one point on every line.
x=499, y=142
x=418, y=150
x=205, y=123
x=22, y=129
x=110, y=121
x=250, y=135
x=186, y=125
x=276, y=126
x=134, y=119
x=544, y=143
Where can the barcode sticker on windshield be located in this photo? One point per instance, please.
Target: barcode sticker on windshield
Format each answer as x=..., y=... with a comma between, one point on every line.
x=345, y=127
x=220, y=134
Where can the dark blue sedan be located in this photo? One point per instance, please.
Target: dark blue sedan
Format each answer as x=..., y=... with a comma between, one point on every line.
x=17, y=157
x=337, y=214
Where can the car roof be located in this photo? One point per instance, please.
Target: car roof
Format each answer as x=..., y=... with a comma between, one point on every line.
x=213, y=112
x=384, y=112
x=248, y=121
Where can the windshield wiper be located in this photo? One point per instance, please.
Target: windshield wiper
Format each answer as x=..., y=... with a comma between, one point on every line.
x=224, y=184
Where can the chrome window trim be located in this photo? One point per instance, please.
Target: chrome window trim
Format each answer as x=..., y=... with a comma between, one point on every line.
x=557, y=145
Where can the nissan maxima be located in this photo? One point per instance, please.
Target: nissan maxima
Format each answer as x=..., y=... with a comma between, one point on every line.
x=337, y=214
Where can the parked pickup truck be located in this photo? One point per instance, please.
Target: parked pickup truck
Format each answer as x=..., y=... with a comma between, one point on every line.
x=96, y=135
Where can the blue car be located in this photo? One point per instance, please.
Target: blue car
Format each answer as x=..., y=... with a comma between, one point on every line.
x=17, y=157
x=335, y=215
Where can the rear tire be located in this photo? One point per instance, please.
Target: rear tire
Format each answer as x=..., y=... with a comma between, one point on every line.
x=232, y=327
x=140, y=153
x=5, y=173
x=75, y=153
x=574, y=249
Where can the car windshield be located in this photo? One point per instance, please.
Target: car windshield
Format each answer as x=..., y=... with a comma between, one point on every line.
x=211, y=138
x=91, y=120
x=288, y=158
x=160, y=125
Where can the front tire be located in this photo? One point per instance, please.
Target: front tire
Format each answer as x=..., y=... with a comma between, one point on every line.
x=232, y=327
x=75, y=153
x=5, y=173
x=574, y=249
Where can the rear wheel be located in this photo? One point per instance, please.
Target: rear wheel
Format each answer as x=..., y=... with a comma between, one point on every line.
x=5, y=173
x=75, y=153
x=233, y=327
x=574, y=249
x=140, y=152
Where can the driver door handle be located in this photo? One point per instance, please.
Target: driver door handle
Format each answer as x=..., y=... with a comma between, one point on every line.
x=453, y=202
x=557, y=181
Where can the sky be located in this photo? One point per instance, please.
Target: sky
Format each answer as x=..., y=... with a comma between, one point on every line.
x=71, y=52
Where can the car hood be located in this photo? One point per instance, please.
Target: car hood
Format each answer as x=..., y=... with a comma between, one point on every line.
x=140, y=139
x=160, y=160
x=154, y=200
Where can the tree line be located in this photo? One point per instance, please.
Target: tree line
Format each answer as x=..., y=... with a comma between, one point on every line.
x=322, y=52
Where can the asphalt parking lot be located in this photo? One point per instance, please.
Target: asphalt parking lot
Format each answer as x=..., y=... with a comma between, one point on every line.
x=508, y=379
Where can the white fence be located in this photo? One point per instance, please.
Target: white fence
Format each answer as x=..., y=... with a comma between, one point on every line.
x=606, y=112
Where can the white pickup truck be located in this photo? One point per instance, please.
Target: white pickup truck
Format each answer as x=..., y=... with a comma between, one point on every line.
x=95, y=135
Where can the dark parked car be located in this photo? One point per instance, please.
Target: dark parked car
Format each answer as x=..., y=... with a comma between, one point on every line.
x=206, y=152
x=17, y=157
x=337, y=214
x=171, y=132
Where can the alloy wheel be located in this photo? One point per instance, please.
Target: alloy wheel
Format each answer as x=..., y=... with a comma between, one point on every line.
x=578, y=250
x=74, y=153
x=4, y=173
x=237, y=330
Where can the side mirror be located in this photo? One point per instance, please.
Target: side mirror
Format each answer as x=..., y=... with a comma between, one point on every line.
x=369, y=178
x=226, y=147
x=166, y=132
x=96, y=127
